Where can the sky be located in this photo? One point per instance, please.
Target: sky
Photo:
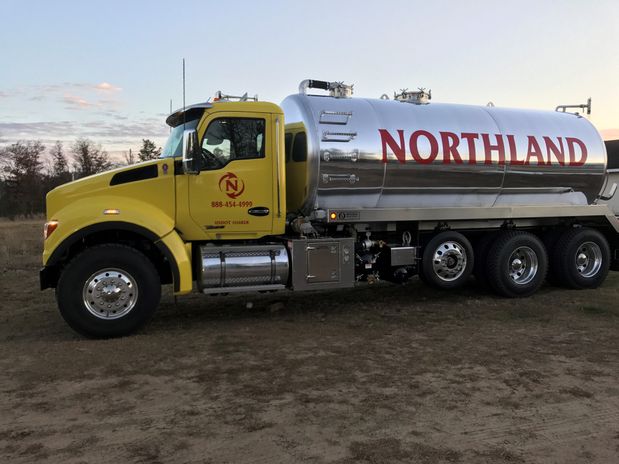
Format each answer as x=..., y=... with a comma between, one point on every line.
x=108, y=70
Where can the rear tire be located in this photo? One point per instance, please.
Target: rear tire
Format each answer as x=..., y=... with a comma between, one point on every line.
x=581, y=259
x=108, y=291
x=517, y=264
x=447, y=260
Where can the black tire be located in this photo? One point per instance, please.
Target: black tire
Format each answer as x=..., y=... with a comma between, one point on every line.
x=514, y=252
x=592, y=248
x=480, y=267
x=121, y=308
x=455, y=254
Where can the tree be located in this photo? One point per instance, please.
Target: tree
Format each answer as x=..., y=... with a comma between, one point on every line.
x=149, y=150
x=60, y=173
x=23, y=178
x=89, y=158
x=129, y=157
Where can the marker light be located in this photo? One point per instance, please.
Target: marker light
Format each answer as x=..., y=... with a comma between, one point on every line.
x=48, y=228
x=111, y=211
x=333, y=216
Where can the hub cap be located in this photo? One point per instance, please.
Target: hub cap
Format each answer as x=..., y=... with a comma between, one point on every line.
x=110, y=293
x=588, y=259
x=523, y=265
x=449, y=261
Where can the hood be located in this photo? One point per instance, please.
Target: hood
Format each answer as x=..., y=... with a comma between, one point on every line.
x=114, y=182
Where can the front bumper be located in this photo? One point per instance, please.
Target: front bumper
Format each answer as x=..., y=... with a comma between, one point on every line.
x=48, y=277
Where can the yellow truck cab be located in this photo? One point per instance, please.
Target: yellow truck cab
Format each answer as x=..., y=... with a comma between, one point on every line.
x=344, y=191
x=146, y=216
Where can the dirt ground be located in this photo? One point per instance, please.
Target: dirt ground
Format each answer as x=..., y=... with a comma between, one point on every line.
x=381, y=374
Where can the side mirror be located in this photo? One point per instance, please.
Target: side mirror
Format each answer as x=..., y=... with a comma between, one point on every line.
x=191, y=152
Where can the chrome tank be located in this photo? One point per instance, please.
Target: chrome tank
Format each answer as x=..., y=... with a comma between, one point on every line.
x=241, y=267
x=345, y=167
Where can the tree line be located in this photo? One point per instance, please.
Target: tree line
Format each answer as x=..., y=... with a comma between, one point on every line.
x=28, y=170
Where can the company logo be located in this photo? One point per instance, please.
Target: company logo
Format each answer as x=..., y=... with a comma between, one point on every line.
x=231, y=185
x=476, y=148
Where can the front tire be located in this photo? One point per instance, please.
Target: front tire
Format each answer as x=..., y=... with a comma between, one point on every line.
x=517, y=264
x=108, y=291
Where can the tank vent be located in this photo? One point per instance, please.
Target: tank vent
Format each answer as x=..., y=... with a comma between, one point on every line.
x=336, y=89
x=585, y=107
x=418, y=97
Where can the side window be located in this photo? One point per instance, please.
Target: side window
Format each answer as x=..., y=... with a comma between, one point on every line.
x=299, y=149
x=288, y=140
x=229, y=139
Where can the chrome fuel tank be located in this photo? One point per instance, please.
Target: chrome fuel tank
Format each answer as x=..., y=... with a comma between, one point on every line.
x=374, y=153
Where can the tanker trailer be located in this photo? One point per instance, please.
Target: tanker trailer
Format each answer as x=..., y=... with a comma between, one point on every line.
x=446, y=190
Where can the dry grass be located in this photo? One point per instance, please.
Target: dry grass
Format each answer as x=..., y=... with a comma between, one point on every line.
x=380, y=374
x=21, y=242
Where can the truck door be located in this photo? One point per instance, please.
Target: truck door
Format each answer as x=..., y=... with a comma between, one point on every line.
x=232, y=197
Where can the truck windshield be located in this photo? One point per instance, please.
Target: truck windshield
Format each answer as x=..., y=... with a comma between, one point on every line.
x=174, y=146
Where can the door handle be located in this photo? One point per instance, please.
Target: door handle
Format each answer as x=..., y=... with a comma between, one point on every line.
x=259, y=211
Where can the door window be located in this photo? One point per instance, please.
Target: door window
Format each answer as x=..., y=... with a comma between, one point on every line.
x=229, y=139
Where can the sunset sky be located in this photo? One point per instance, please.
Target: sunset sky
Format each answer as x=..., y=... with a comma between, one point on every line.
x=107, y=70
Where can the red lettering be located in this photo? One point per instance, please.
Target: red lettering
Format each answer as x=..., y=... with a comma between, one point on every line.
x=232, y=185
x=470, y=138
x=513, y=151
x=415, y=149
x=398, y=150
x=534, y=151
x=489, y=148
x=450, y=147
x=558, y=152
x=583, y=151
x=554, y=150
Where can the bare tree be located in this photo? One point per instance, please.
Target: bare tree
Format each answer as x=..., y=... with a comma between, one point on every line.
x=129, y=157
x=60, y=173
x=23, y=178
x=89, y=158
x=149, y=150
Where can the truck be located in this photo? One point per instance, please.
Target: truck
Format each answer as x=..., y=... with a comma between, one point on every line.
x=330, y=191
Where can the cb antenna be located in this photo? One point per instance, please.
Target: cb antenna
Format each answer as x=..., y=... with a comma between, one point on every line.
x=184, y=115
x=170, y=112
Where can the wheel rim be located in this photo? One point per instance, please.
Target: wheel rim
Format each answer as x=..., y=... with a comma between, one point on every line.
x=110, y=293
x=523, y=265
x=449, y=261
x=588, y=259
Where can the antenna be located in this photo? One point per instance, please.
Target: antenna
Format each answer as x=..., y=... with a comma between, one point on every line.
x=184, y=115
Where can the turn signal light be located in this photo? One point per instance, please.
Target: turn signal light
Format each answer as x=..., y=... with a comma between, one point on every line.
x=48, y=228
x=333, y=216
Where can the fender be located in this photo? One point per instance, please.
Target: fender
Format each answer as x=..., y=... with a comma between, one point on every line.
x=171, y=246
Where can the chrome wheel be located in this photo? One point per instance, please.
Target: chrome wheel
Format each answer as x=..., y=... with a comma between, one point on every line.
x=449, y=261
x=588, y=259
x=110, y=293
x=523, y=265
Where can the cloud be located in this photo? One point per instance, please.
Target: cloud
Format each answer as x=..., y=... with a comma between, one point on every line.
x=610, y=134
x=108, y=130
x=77, y=103
x=107, y=87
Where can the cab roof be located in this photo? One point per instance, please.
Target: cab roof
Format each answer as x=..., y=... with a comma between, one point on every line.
x=195, y=111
